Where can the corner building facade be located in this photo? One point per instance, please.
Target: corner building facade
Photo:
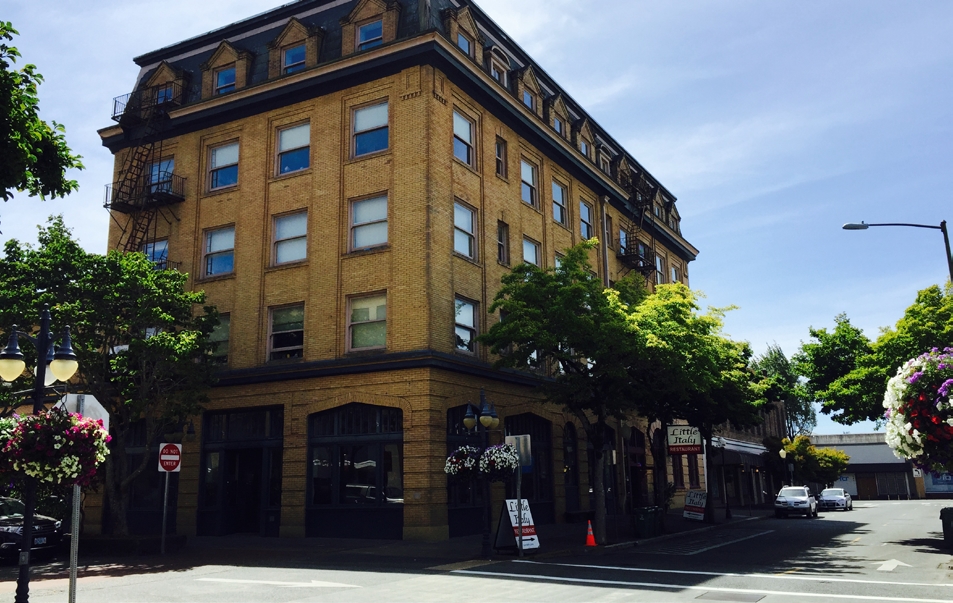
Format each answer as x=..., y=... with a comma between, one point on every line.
x=348, y=182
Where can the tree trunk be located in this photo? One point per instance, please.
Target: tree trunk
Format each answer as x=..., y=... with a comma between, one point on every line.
x=599, y=489
x=116, y=494
x=709, y=473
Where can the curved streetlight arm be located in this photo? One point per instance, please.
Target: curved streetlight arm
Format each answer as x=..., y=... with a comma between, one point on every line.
x=942, y=228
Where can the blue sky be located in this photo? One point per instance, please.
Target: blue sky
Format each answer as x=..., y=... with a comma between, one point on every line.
x=772, y=122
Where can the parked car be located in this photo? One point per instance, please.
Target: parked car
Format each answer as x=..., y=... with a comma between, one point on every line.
x=796, y=500
x=47, y=532
x=834, y=499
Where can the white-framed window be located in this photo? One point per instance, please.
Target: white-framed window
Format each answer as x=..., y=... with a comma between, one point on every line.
x=585, y=220
x=294, y=148
x=559, y=126
x=370, y=35
x=503, y=243
x=659, y=270
x=291, y=238
x=559, y=203
x=530, y=251
x=368, y=222
x=498, y=72
x=605, y=164
x=219, y=256
x=224, y=80
x=293, y=59
x=673, y=273
x=623, y=241
x=529, y=99
x=608, y=232
x=219, y=339
x=464, y=230
x=465, y=325
x=528, y=177
x=465, y=43
x=157, y=252
x=584, y=147
x=501, y=158
x=223, y=166
x=558, y=260
x=371, y=129
x=286, y=336
x=462, y=138
x=367, y=322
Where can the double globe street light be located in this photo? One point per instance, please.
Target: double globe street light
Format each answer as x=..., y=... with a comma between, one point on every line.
x=487, y=419
x=941, y=228
x=58, y=362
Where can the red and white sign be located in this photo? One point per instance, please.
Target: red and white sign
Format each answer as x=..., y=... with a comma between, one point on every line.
x=683, y=439
x=695, y=501
x=530, y=539
x=170, y=458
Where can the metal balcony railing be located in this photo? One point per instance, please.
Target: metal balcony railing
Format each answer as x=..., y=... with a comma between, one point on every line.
x=128, y=196
x=139, y=105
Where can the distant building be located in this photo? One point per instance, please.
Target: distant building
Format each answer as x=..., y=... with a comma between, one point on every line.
x=874, y=471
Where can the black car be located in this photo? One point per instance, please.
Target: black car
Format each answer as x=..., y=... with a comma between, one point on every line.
x=47, y=534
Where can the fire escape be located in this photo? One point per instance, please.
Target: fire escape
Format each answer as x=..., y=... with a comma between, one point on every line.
x=146, y=184
x=632, y=251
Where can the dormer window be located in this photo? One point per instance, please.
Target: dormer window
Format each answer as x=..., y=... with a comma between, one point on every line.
x=604, y=164
x=164, y=93
x=225, y=80
x=559, y=126
x=584, y=148
x=293, y=59
x=370, y=35
x=498, y=72
x=529, y=99
x=465, y=44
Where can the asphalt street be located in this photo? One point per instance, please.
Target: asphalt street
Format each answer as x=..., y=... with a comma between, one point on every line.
x=881, y=551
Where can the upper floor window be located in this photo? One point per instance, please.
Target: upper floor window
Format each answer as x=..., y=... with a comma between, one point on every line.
x=529, y=99
x=370, y=129
x=530, y=251
x=368, y=223
x=225, y=80
x=501, y=158
x=165, y=93
x=220, y=251
x=464, y=234
x=659, y=270
x=463, y=41
x=604, y=164
x=503, y=243
x=287, y=333
x=462, y=138
x=218, y=339
x=498, y=72
x=291, y=236
x=585, y=220
x=528, y=186
x=623, y=240
x=294, y=149
x=559, y=203
x=160, y=176
x=293, y=59
x=367, y=322
x=584, y=147
x=370, y=35
x=223, y=166
x=157, y=252
x=674, y=275
x=465, y=328
x=558, y=126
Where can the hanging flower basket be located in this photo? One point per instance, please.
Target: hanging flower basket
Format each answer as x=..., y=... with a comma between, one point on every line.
x=498, y=463
x=463, y=463
x=919, y=411
x=54, y=447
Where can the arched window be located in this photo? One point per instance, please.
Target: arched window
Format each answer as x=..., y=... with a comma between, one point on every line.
x=537, y=486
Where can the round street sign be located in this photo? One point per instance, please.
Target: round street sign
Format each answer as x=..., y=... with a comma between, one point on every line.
x=170, y=458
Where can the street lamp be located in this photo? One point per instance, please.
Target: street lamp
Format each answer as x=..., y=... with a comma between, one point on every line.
x=487, y=420
x=941, y=228
x=784, y=454
x=62, y=364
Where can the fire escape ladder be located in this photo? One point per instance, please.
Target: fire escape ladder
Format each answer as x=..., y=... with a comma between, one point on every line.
x=633, y=252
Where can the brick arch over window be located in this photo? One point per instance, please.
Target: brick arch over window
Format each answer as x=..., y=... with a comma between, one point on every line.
x=225, y=55
x=365, y=398
x=368, y=11
x=294, y=33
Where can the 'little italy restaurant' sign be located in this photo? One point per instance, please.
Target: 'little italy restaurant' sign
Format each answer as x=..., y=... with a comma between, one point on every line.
x=683, y=439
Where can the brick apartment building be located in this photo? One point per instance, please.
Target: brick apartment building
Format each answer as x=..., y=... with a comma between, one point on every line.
x=349, y=181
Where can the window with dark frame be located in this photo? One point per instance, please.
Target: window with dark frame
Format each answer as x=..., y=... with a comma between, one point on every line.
x=367, y=322
x=293, y=59
x=464, y=230
x=503, y=243
x=159, y=176
x=584, y=147
x=558, y=126
x=678, y=472
x=694, y=479
x=371, y=130
x=529, y=99
x=224, y=80
x=585, y=220
x=559, y=203
x=465, y=325
x=368, y=223
x=528, y=191
x=464, y=43
x=291, y=238
x=220, y=251
x=294, y=149
x=623, y=240
x=501, y=158
x=370, y=35
x=157, y=252
x=610, y=244
x=223, y=166
x=462, y=138
x=286, y=339
x=219, y=339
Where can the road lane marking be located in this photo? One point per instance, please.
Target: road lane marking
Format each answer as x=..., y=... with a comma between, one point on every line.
x=689, y=587
x=890, y=565
x=855, y=539
x=312, y=584
x=786, y=576
x=462, y=565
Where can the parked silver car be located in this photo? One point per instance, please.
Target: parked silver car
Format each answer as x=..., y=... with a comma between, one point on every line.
x=834, y=499
x=796, y=500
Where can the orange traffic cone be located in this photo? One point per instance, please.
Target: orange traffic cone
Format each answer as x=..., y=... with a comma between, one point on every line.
x=590, y=539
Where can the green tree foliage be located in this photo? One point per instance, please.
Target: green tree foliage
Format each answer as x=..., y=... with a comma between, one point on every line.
x=140, y=337
x=33, y=154
x=781, y=379
x=848, y=373
x=811, y=464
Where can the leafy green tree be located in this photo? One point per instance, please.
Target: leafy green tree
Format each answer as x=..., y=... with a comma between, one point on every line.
x=564, y=320
x=33, y=154
x=811, y=464
x=848, y=374
x=140, y=337
x=783, y=385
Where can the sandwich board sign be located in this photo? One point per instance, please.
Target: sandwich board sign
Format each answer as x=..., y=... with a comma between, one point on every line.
x=695, y=501
x=507, y=532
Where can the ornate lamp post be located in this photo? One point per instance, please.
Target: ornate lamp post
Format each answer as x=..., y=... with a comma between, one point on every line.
x=941, y=228
x=487, y=420
x=61, y=364
x=784, y=454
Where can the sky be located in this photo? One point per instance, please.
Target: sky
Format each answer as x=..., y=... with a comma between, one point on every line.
x=773, y=123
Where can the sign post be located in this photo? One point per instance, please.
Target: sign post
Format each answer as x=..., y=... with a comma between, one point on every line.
x=89, y=407
x=170, y=461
